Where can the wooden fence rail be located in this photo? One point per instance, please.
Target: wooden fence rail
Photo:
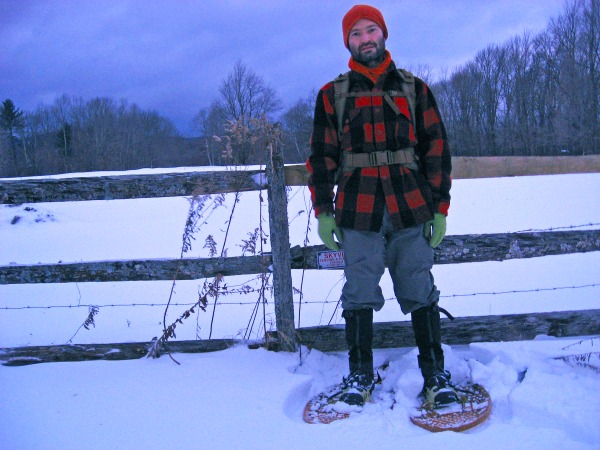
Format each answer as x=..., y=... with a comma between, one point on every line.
x=461, y=331
x=119, y=187
x=454, y=249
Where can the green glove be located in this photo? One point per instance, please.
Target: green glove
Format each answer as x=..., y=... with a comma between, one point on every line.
x=438, y=224
x=327, y=228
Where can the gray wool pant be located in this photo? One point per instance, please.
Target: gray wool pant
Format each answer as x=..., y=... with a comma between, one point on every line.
x=409, y=258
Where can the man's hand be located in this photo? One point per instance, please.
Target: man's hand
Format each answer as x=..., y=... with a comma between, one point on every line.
x=327, y=228
x=438, y=225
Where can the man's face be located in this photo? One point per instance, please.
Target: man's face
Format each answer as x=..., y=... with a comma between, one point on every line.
x=366, y=43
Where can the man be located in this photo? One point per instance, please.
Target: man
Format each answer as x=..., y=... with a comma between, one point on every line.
x=390, y=146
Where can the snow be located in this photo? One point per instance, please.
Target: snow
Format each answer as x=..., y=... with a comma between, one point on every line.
x=244, y=398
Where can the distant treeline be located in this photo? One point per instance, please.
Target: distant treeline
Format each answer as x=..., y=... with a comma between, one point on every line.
x=533, y=95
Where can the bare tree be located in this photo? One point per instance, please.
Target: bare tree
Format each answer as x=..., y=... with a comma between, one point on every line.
x=423, y=71
x=564, y=31
x=247, y=98
x=209, y=123
x=590, y=46
x=297, y=128
x=522, y=80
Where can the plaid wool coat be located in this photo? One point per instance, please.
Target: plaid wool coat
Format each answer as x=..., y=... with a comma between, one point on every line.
x=369, y=125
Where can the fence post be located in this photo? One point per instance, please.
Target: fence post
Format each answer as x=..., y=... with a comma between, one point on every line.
x=280, y=243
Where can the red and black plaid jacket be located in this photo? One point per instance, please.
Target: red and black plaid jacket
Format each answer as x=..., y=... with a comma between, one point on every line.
x=370, y=124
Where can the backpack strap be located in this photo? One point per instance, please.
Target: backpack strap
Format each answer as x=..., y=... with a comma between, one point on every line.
x=408, y=88
x=341, y=86
x=407, y=157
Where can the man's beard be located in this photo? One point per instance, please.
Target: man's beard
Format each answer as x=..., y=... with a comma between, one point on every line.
x=368, y=59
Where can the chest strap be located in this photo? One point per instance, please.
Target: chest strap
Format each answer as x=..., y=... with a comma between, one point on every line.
x=404, y=157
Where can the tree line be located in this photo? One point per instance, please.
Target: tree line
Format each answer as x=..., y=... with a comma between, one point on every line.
x=533, y=95
x=74, y=135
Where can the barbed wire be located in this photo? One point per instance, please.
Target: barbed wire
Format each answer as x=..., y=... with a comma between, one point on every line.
x=568, y=227
x=129, y=305
x=558, y=288
x=239, y=288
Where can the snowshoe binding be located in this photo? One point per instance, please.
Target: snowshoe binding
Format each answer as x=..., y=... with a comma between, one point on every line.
x=356, y=389
x=438, y=391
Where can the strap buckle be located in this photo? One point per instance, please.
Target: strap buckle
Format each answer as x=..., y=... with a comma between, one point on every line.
x=381, y=158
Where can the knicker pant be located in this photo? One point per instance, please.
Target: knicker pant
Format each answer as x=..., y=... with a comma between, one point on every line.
x=409, y=258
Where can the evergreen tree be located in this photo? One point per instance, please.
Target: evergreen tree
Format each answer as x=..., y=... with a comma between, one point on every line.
x=11, y=119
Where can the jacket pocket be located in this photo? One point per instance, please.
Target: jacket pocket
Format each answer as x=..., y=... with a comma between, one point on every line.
x=404, y=128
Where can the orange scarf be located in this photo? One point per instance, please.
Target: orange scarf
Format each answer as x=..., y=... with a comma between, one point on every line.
x=372, y=74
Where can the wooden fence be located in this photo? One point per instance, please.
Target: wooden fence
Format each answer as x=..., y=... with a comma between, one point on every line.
x=454, y=249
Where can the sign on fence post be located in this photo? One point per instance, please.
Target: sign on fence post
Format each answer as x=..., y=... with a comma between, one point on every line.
x=280, y=245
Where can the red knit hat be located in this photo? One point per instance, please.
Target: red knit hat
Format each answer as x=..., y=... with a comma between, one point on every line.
x=362, y=12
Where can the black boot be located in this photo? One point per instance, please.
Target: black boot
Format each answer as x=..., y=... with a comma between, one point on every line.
x=357, y=388
x=437, y=389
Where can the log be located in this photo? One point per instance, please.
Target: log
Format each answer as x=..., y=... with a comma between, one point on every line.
x=486, y=247
x=502, y=247
x=461, y=331
x=185, y=184
x=134, y=270
x=22, y=356
x=129, y=186
x=454, y=249
x=464, y=330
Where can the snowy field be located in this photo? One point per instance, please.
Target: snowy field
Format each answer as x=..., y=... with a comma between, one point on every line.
x=243, y=398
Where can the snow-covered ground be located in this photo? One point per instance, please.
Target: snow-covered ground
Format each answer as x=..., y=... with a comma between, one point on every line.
x=241, y=398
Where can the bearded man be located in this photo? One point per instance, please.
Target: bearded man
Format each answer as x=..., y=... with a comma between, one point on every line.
x=385, y=147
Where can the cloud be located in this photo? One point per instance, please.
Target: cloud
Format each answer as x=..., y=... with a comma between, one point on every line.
x=171, y=56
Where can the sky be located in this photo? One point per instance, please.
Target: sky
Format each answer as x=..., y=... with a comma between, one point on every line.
x=171, y=56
